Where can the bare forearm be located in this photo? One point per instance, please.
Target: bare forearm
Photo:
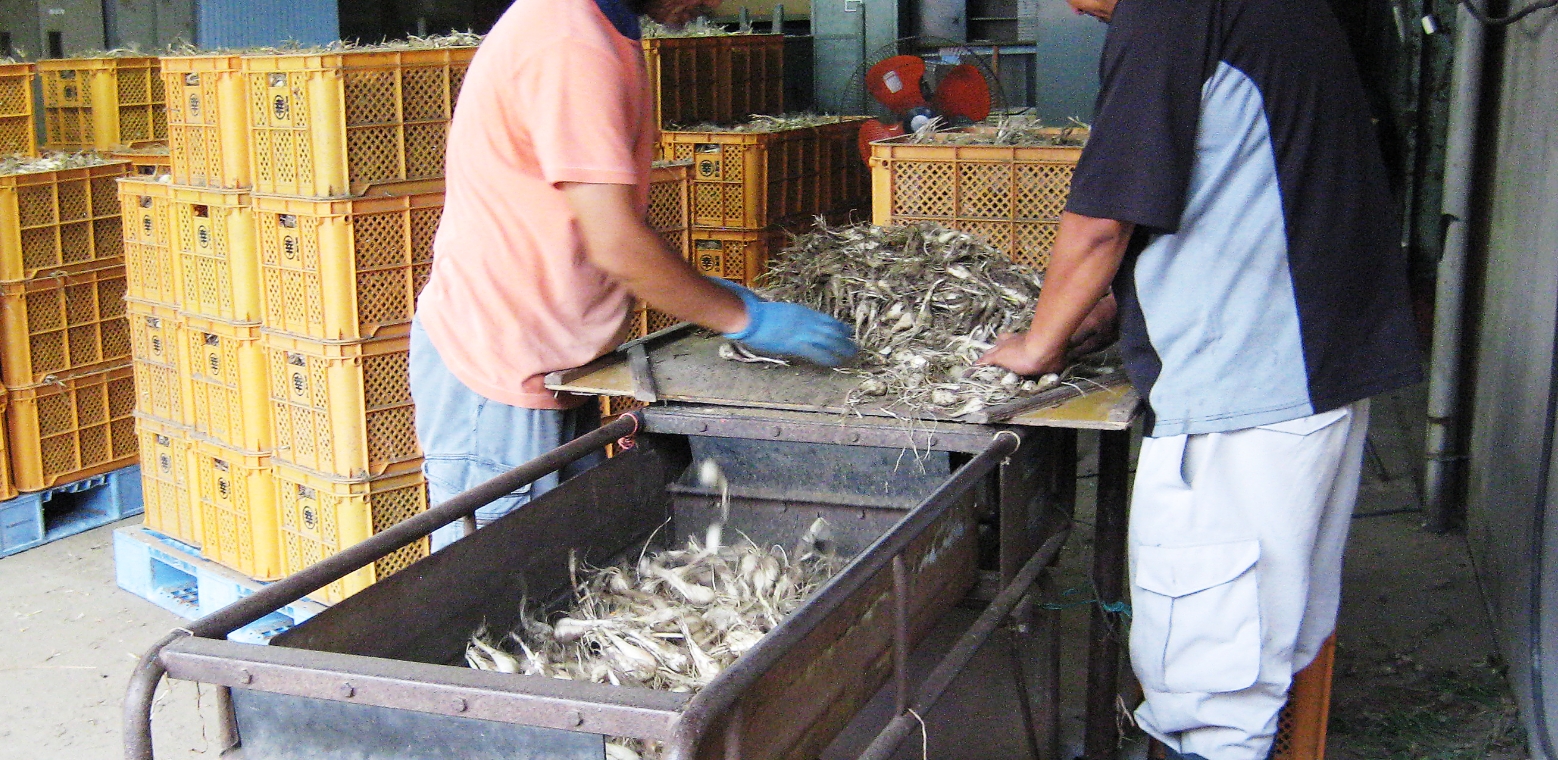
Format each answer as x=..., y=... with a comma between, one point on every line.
x=1083, y=263
x=623, y=246
x=1086, y=255
x=659, y=277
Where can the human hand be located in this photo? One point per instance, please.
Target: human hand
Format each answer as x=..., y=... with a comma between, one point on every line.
x=1099, y=329
x=1012, y=352
x=787, y=329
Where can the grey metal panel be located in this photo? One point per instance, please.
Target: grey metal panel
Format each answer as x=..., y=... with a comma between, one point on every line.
x=149, y=24
x=1066, y=63
x=845, y=33
x=1512, y=518
x=249, y=23
x=282, y=727
x=79, y=22
x=947, y=19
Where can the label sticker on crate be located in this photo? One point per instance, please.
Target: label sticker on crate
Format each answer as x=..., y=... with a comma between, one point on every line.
x=708, y=168
x=711, y=257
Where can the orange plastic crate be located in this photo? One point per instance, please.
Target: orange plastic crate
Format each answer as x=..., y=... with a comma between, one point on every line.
x=343, y=409
x=737, y=255
x=150, y=160
x=321, y=515
x=715, y=79
x=1012, y=196
x=208, y=120
x=73, y=428
x=18, y=133
x=324, y=125
x=71, y=323
x=752, y=180
x=346, y=269
x=162, y=391
x=670, y=184
x=165, y=451
x=7, y=485
x=102, y=103
x=67, y=219
x=234, y=492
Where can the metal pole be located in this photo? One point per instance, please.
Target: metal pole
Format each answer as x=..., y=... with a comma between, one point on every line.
x=1103, y=655
x=143, y=682
x=964, y=650
x=1444, y=373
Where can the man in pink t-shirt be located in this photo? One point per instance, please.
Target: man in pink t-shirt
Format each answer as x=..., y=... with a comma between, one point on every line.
x=543, y=244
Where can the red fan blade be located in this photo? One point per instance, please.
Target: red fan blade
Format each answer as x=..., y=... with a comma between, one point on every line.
x=873, y=130
x=895, y=82
x=963, y=92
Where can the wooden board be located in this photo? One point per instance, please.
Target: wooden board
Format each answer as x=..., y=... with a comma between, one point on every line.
x=686, y=367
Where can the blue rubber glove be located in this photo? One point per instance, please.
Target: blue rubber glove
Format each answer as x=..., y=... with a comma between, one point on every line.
x=787, y=329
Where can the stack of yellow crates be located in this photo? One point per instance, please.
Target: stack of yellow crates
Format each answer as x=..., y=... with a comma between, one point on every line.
x=104, y=103
x=63, y=333
x=306, y=189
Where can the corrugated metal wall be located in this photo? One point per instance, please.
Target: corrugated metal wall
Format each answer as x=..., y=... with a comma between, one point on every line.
x=249, y=23
x=1513, y=504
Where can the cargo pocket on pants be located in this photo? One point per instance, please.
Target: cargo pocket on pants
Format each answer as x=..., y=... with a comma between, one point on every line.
x=1197, y=627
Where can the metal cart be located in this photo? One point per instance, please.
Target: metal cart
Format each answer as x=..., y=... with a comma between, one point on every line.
x=380, y=674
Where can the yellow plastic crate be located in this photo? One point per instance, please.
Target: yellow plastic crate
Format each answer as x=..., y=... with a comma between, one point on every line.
x=346, y=269
x=150, y=262
x=715, y=79
x=156, y=332
x=219, y=270
x=752, y=180
x=66, y=219
x=324, y=125
x=737, y=255
x=150, y=160
x=669, y=186
x=1011, y=196
x=102, y=103
x=234, y=492
x=226, y=371
x=341, y=408
x=208, y=120
x=66, y=324
x=165, y=450
x=322, y=515
x=73, y=428
x=18, y=133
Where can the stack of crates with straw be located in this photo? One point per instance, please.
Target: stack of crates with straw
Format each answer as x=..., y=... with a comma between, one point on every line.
x=750, y=189
x=64, y=336
x=347, y=155
x=105, y=103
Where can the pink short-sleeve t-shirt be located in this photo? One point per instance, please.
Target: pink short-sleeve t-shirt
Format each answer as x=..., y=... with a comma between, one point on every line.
x=555, y=94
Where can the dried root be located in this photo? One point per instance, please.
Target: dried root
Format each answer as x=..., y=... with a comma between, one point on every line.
x=925, y=303
x=762, y=123
x=673, y=620
x=51, y=162
x=1003, y=130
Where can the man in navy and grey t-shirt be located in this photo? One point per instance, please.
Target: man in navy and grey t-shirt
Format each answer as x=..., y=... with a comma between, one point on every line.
x=1233, y=193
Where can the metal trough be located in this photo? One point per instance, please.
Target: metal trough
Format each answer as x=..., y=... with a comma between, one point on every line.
x=381, y=674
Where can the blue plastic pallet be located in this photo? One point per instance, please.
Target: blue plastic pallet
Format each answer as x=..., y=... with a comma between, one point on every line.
x=34, y=519
x=173, y=576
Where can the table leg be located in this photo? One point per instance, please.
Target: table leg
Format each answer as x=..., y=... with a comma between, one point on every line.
x=1103, y=659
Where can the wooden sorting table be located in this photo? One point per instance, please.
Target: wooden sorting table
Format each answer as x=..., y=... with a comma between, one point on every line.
x=681, y=367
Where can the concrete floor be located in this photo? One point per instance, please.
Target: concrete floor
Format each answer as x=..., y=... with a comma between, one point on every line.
x=1411, y=618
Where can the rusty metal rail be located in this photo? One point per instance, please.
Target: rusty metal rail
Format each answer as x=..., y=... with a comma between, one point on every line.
x=148, y=673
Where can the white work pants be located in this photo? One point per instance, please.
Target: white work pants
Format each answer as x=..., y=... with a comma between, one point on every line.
x=1236, y=546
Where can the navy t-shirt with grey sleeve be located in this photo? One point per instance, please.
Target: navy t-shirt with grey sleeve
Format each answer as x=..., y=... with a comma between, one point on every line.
x=1265, y=281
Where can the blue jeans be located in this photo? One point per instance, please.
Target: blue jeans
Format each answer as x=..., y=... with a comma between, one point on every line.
x=468, y=439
